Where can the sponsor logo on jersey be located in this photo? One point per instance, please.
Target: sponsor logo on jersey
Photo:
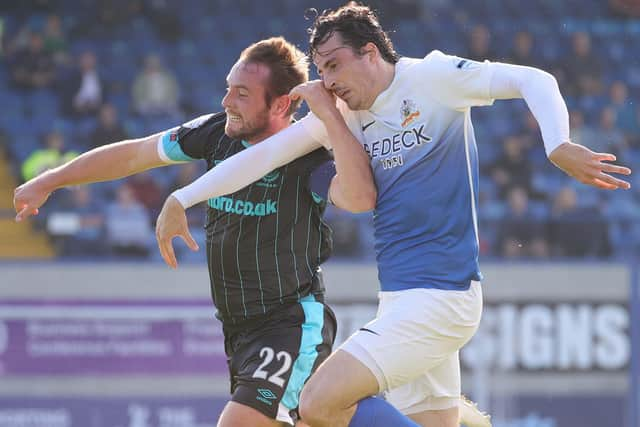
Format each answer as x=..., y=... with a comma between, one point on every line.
x=405, y=140
x=408, y=112
x=269, y=180
x=243, y=207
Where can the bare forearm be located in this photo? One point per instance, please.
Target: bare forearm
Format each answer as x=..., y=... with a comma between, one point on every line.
x=356, y=186
x=105, y=163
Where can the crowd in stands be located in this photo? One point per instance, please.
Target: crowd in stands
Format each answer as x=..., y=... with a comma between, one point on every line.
x=75, y=75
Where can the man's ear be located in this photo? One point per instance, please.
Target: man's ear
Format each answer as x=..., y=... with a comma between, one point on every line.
x=280, y=105
x=371, y=50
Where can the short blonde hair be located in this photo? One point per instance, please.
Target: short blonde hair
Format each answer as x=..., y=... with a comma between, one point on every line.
x=288, y=66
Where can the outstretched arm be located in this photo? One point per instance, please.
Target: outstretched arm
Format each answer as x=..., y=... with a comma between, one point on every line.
x=249, y=165
x=228, y=177
x=104, y=163
x=541, y=93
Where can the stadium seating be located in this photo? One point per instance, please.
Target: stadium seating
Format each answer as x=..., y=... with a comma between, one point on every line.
x=213, y=33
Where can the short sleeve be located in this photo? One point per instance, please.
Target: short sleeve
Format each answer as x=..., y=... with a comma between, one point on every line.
x=190, y=140
x=320, y=179
x=457, y=82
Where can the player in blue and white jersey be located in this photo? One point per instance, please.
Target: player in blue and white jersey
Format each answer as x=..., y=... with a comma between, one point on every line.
x=410, y=118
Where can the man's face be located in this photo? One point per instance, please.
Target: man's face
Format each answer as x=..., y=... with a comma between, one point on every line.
x=245, y=102
x=346, y=73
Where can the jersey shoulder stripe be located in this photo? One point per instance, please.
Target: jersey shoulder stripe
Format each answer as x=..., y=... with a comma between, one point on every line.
x=186, y=142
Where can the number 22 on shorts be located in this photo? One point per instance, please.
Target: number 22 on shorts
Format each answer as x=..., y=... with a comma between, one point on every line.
x=267, y=354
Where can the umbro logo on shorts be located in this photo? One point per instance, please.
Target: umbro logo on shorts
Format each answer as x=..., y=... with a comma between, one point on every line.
x=266, y=396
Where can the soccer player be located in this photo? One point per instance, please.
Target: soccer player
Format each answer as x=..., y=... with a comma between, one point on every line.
x=265, y=243
x=411, y=118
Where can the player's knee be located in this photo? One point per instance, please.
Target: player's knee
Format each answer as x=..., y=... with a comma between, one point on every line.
x=311, y=409
x=305, y=407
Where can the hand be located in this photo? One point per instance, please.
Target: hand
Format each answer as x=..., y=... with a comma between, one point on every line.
x=28, y=197
x=172, y=222
x=587, y=167
x=320, y=101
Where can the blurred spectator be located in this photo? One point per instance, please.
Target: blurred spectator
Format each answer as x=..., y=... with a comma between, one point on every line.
x=165, y=18
x=634, y=137
x=522, y=50
x=33, y=67
x=521, y=233
x=83, y=90
x=530, y=133
x=628, y=8
x=512, y=169
x=50, y=156
x=128, y=229
x=607, y=137
x=19, y=42
x=108, y=129
x=577, y=231
x=55, y=42
x=147, y=191
x=479, y=47
x=582, y=68
x=114, y=13
x=104, y=17
x=398, y=10
x=4, y=142
x=580, y=132
x=77, y=227
x=1, y=36
x=155, y=90
x=623, y=107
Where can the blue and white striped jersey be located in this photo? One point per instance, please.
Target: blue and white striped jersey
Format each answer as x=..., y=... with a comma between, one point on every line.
x=420, y=139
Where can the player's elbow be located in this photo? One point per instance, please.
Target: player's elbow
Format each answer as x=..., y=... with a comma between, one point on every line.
x=548, y=79
x=358, y=198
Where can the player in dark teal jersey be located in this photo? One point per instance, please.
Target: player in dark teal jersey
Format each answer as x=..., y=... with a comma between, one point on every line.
x=265, y=243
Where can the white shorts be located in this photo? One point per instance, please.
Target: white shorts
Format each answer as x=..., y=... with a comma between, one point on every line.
x=412, y=345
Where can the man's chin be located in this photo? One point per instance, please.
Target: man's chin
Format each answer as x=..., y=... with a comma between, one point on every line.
x=234, y=133
x=353, y=104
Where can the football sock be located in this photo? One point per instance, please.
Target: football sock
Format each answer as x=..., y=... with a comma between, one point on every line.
x=376, y=412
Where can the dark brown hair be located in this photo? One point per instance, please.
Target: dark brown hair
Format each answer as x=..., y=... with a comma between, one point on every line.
x=288, y=66
x=357, y=24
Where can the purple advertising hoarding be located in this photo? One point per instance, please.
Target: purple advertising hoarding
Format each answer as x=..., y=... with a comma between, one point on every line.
x=138, y=412
x=161, y=339
x=67, y=338
x=530, y=411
